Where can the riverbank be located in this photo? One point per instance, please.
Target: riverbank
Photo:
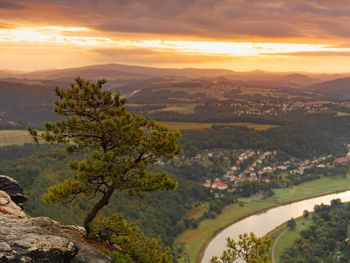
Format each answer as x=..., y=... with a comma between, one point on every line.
x=284, y=238
x=196, y=240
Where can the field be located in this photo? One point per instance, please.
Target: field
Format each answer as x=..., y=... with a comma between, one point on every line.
x=181, y=109
x=195, y=240
x=8, y=137
x=203, y=125
x=342, y=114
x=286, y=238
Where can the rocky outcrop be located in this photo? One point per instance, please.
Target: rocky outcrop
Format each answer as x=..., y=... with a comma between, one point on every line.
x=11, y=186
x=41, y=239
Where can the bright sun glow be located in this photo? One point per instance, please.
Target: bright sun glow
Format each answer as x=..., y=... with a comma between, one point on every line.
x=57, y=35
x=50, y=34
x=236, y=49
x=62, y=28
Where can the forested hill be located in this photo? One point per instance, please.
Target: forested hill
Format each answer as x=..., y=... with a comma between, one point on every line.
x=20, y=102
x=23, y=101
x=339, y=88
x=128, y=72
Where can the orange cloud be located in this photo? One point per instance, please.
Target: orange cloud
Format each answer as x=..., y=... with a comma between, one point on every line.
x=209, y=19
x=241, y=35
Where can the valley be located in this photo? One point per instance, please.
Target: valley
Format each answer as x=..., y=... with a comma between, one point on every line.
x=195, y=241
x=159, y=131
x=249, y=142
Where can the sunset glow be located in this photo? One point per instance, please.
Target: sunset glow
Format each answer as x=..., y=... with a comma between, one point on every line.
x=235, y=49
x=56, y=35
x=50, y=35
x=308, y=38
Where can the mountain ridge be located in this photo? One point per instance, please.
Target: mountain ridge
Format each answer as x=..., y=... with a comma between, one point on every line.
x=115, y=71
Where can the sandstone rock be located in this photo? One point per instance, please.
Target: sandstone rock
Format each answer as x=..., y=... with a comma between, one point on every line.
x=11, y=186
x=41, y=239
x=9, y=208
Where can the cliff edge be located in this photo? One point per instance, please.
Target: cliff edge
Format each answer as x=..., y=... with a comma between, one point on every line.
x=41, y=239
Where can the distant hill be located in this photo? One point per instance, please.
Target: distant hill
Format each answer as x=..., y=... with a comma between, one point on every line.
x=338, y=88
x=300, y=79
x=121, y=72
x=277, y=79
x=8, y=73
x=26, y=103
x=29, y=97
x=21, y=94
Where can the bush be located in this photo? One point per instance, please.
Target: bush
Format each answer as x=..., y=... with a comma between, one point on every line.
x=127, y=241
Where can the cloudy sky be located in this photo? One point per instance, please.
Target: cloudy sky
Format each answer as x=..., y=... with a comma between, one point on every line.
x=271, y=35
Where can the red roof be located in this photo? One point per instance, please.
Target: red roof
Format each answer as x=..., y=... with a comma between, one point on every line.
x=341, y=160
x=219, y=184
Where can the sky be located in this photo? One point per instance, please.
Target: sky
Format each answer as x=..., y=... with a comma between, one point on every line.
x=242, y=35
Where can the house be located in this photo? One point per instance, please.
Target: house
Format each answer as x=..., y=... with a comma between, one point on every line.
x=342, y=160
x=282, y=167
x=267, y=169
x=267, y=180
x=219, y=185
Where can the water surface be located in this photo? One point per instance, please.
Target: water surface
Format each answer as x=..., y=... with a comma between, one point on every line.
x=263, y=223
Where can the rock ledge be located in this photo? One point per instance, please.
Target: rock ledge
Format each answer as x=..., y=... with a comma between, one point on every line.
x=41, y=239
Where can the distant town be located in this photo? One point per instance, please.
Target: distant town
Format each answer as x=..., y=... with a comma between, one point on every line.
x=254, y=165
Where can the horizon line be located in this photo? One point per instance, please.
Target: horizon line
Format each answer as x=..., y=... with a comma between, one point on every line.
x=13, y=71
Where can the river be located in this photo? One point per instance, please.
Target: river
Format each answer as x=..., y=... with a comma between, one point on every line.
x=263, y=223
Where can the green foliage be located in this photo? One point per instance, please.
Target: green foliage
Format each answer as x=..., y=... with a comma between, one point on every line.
x=128, y=242
x=15, y=152
x=123, y=148
x=296, y=140
x=247, y=188
x=291, y=224
x=249, y=248
x=326, y=240
x=37, y=166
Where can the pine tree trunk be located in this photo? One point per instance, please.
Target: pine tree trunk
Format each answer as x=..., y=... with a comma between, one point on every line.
x=96, y=209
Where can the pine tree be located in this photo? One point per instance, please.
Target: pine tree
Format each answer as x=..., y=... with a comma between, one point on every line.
x=249, y=248
x=122, y=148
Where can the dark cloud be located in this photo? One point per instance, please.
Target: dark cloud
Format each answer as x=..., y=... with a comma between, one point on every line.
x=4, y=4
x=229, y=19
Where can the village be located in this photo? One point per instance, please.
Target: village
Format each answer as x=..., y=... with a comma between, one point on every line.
x=273, y=108
x=259, y=166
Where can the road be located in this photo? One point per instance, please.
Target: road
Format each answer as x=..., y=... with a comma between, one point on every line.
x=274, y=245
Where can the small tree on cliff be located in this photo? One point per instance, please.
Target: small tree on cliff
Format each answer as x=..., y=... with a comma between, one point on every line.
x=122, y=147
x=249, y=248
